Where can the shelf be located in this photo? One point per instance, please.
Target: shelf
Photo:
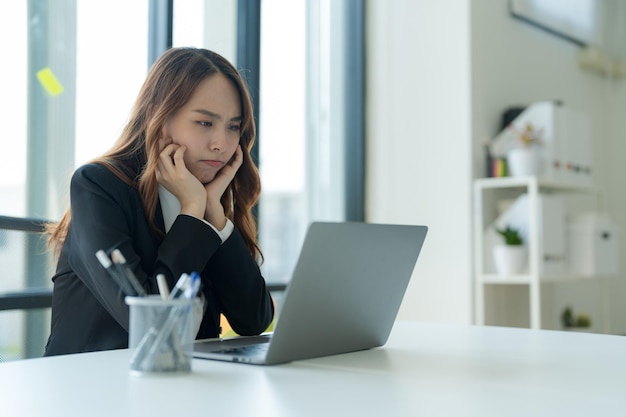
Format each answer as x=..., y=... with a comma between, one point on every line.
x=525, y=279
x=519, y=182
x=505, y=279
x=485, y=192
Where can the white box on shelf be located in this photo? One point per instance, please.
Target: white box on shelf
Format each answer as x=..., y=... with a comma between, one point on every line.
x=593, y=246
x=551, y=228
x=566, y=148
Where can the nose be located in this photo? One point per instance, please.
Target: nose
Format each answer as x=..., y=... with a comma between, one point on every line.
x=217, y=141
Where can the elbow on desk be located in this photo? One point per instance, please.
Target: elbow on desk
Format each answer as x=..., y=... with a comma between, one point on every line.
x=263, y=322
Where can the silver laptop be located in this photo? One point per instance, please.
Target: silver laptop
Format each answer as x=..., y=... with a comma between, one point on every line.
x=344, y=295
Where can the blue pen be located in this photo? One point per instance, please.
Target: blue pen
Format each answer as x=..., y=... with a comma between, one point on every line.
x=193, y=287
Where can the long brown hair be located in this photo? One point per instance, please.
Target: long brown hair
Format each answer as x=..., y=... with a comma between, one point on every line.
x=169, y=85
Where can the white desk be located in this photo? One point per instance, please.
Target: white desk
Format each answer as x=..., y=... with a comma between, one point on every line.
x=425, y=369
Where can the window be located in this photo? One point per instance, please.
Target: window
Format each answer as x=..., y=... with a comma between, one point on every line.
x=76, y=67
x=282, y=135
x=13, y=108
x=309, y=160
x=111, y=65
x=210, y=24
x=305, y=50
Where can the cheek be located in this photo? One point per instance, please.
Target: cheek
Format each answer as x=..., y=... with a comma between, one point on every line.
x=231, y=155
x=232, y=147
x=190, y=157
x=187, y=160
x=184, y=139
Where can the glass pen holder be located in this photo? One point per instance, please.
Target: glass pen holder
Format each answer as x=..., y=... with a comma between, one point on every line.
x=161, y=334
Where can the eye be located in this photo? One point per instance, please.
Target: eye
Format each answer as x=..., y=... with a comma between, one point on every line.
x=205, y=124
x=236, y=128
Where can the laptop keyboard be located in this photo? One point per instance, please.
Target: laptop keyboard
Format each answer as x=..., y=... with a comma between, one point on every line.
x=236, y=346
x=245, y=350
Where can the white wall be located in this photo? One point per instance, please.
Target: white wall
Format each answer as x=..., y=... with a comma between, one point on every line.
x=419, y=144
x=440, y=74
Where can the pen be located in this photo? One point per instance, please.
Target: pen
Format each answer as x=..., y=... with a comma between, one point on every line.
x=126, y=272
x=163, y=289
x=193, y=286
x=145, y=354
x=180, y=286
x=114, y=273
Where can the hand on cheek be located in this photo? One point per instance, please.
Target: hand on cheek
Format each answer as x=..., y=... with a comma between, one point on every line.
x=176, y=178
x=216, y=188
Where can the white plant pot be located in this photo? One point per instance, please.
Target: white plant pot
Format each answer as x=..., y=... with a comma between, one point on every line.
x=510, y=260
x=524, y=162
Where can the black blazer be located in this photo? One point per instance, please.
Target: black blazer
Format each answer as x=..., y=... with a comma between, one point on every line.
x=88, y=308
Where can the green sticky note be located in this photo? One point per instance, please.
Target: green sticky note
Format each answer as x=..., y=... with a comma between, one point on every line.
x=49, y=82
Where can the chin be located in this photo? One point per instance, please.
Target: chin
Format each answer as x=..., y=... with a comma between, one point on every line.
x=206, y=178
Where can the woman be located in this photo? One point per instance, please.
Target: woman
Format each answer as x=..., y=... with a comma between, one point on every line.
x=174, y=195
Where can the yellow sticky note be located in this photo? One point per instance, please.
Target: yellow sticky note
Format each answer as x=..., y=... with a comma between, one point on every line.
x=49, y=81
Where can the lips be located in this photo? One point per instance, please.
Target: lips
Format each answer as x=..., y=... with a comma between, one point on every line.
x=213, y=163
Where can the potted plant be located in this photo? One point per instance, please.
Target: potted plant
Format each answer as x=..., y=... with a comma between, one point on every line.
x=524, y=158
x=511, y=257
x=572, y=322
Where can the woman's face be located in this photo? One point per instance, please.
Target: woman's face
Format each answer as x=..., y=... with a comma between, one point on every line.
x=209, y=126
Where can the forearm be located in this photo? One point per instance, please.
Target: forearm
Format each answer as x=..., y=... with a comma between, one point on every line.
x=240, y=287
x=187, y=248
x=215, y=215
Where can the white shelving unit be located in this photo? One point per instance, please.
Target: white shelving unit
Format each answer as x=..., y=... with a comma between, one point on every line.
x=514, y=186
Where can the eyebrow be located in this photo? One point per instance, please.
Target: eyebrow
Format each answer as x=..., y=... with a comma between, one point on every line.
x=217, y=116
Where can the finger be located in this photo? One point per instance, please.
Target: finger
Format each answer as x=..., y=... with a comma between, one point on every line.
x=168, y=151
x=178, y=157
x=161, y=170
x=165, y=157
x=234, y=163
x=163, y=142
x=237, y=159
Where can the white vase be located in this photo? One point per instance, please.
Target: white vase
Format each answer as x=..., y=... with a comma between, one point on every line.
x=524, y=162
x=510, y=259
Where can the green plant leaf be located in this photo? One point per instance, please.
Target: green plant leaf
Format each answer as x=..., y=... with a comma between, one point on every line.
x=511, y=236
